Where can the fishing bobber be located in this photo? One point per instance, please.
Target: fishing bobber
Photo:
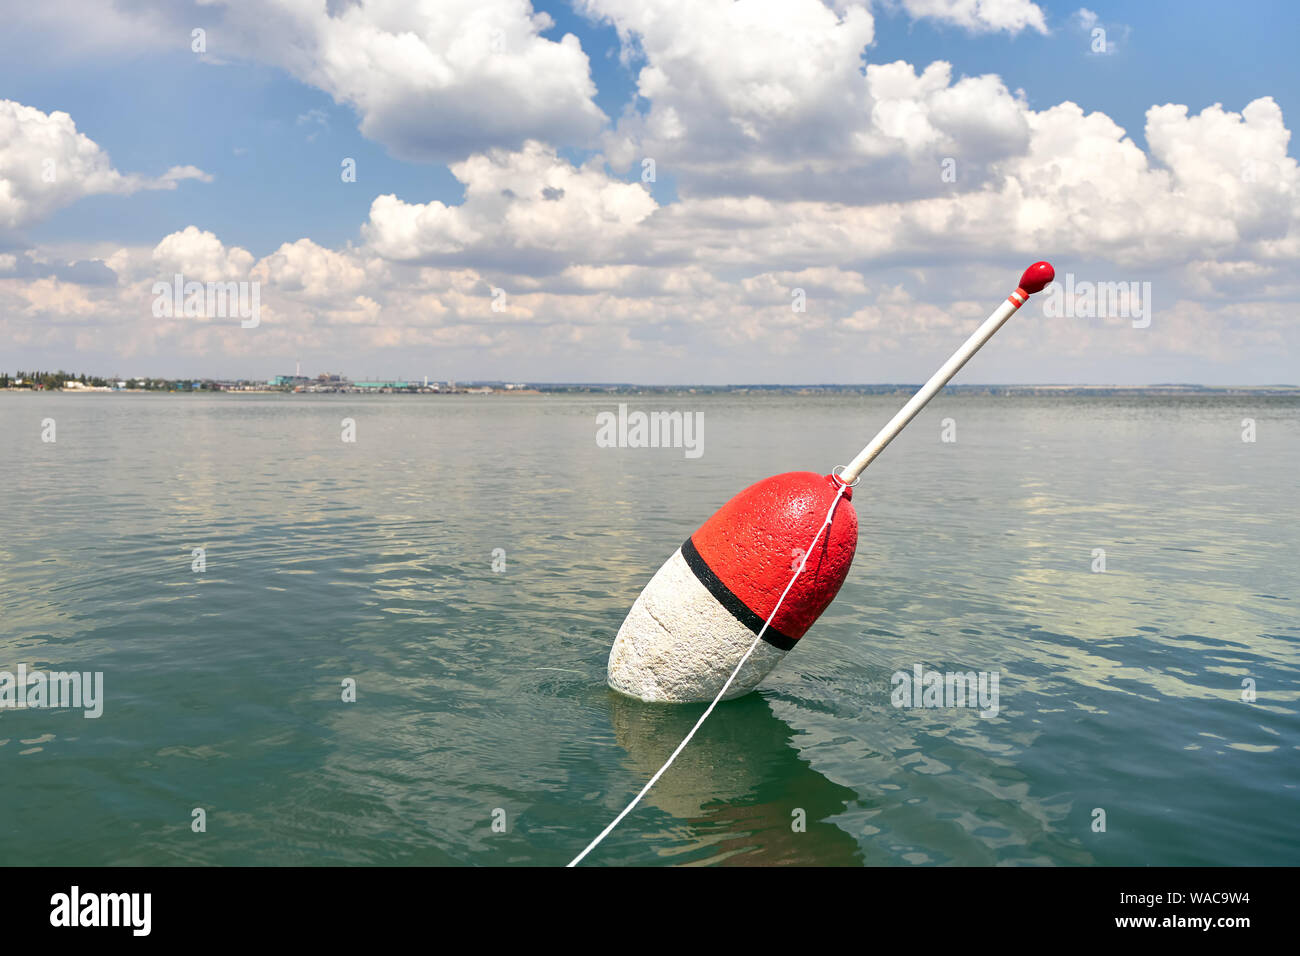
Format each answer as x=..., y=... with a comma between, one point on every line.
x=714, y=596
x=732, y=600
x=735, y=587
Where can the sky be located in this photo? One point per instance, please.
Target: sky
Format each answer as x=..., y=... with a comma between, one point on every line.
x=651, y=191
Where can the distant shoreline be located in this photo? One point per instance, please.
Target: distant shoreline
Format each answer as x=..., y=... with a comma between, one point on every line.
x=490, y=389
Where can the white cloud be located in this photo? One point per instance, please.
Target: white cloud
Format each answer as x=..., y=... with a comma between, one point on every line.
x=316, y=272
x=1080, y=187
x=773, y=97
x=200, y=257
x=521, y=209
x=981, y=16
x=430, y=79
x=776, y=80
x=46, y=164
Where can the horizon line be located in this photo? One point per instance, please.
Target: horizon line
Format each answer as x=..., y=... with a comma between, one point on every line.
x=525, y=383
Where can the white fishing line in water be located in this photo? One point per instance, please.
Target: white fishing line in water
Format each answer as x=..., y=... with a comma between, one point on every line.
x=708, y=710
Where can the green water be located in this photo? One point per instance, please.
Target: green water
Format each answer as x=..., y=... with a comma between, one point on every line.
x=482, y=691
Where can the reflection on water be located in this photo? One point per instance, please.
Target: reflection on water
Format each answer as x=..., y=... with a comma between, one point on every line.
x=482, y=691
x=740, y=786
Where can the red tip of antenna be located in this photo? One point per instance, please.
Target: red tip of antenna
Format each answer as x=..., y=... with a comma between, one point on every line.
x=1037, y=276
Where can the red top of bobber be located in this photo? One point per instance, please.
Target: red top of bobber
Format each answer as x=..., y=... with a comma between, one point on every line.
x=754, y=543
x=1036, y=277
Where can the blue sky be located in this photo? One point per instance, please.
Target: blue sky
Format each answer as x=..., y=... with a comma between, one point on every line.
x=269, y=140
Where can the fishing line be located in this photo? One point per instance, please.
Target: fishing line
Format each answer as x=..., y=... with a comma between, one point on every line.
x=708, y=710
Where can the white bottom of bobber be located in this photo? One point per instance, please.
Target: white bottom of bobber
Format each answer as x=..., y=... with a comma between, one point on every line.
x=679, y=645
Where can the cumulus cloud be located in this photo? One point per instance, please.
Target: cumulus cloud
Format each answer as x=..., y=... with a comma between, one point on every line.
x=316, y=272
x=440, y=79
x=200, y=257
x=46, y=164
x=523, y=210
x=1080, y=187
x=770, y=80
x=787, y=106
x=429, y=79
x=981, y=16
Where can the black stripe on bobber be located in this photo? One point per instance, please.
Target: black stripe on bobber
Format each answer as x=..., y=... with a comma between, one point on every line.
x=722, y=594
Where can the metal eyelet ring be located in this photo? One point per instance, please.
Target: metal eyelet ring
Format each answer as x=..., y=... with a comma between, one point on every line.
x=835, y=473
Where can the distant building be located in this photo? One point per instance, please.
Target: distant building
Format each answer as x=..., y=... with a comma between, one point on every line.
x=389, y=386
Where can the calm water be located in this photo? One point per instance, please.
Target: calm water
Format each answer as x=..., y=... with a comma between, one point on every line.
x=482, y=690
